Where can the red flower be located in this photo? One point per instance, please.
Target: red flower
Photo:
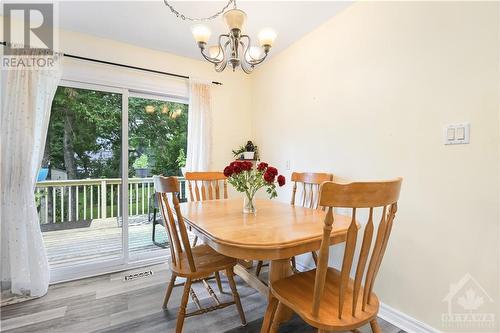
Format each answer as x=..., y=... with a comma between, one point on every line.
x=262, y=166
x=237, y=168
x=269, y=177
x=281, y=180
x=246, y=166
x=272, y=171
x=228, y=171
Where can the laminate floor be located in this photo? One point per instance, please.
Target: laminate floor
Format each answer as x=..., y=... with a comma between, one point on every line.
x=108, y=304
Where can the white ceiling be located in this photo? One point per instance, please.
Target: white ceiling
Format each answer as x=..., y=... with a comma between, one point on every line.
x=150, y=24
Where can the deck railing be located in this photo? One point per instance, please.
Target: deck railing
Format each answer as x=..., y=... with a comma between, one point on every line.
x=83, y=199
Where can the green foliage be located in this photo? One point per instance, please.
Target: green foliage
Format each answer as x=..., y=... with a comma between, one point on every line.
x=249, y=182
x=159, y=135
x=142, y=162
x=38, y=198
x=240, y=150
x=93, y=121
x=181, y=159
x=237, y=152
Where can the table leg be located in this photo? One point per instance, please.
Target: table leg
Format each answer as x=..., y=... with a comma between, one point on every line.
x=280, y=269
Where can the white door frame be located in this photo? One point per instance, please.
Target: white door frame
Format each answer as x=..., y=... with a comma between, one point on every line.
x=78, y=271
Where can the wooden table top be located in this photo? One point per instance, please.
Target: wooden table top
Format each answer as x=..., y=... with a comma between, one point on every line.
x=277, y=231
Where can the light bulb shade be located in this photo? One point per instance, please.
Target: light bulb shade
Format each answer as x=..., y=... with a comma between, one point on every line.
x=235, y=19
x=150, y=109
x=215, y=52
x=201, y=33
x=164, y=109
x=267, y=37
x=254, y=53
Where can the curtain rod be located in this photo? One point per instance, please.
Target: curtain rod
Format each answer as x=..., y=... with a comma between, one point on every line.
x=126, y=66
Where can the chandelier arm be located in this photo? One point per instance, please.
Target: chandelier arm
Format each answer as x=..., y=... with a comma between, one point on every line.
x=252, y=61
x=247, y=69
x=256, y=62
x=208, y=58
x=221, y=48
x=245, y=65
x=222, y=65
x=215, y=60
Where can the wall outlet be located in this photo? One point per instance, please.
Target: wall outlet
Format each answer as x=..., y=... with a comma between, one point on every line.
x=287, y=165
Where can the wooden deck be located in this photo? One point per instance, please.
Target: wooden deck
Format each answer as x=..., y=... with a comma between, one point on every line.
x=102, y=240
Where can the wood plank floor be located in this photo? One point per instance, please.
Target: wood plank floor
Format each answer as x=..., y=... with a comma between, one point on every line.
x=108, y=304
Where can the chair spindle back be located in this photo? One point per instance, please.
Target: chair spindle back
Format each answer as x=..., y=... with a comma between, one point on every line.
x=167, y=191
x=310, y=184
x=206, y=185
x=383, y=196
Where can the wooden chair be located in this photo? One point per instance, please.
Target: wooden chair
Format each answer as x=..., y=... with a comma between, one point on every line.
x=206, y=186
x=309, y=186
x=327, y=298
x=194, y=264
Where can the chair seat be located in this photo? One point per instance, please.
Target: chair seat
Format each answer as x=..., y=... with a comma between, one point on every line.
x=206, y=260
x=296, y=292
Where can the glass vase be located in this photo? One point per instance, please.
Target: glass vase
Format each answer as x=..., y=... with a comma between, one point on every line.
x=249, y=205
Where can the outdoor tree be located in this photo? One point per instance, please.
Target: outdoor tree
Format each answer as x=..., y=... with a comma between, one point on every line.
x=85, y=133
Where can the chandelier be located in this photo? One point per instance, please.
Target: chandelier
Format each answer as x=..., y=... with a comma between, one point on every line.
x=234, y=48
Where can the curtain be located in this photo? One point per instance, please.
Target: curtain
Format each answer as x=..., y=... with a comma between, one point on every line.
x=27, y=96
x=199, y=137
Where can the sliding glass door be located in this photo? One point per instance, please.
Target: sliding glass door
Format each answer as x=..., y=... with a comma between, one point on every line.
x=95, y=192
x=157, y=139
x=78, y=188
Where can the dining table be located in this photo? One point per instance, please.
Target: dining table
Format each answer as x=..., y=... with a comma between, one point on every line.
x=276, y=232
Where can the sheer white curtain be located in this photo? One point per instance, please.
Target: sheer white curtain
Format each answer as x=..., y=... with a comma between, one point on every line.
x=199, y=137
x=27, y=96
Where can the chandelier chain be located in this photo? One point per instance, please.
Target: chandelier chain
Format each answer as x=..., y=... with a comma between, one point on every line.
x=199, y=19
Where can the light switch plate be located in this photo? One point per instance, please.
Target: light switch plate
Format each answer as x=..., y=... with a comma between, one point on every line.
x=450, y=133
x=456, y=134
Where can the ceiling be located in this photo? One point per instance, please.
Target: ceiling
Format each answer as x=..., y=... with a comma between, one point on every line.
x=150, y=24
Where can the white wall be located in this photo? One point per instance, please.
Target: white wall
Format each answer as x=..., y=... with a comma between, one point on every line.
x=366, y=96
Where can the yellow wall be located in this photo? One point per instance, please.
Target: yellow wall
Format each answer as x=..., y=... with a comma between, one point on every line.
x=365, y=96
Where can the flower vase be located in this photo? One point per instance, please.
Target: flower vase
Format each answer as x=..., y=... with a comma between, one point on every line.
x=249, y=205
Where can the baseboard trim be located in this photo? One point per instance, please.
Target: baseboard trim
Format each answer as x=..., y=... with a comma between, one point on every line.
x=395, y=317
x=403, y=321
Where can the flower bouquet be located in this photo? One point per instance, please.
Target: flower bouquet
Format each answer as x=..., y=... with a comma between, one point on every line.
x=247, y=179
